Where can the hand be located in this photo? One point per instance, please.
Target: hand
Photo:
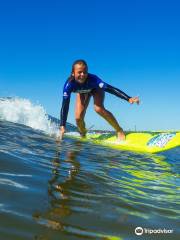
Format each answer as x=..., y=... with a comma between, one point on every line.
x=134, y=100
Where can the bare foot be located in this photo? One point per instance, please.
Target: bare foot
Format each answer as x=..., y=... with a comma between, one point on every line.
x=121, y=136
x=83, y=133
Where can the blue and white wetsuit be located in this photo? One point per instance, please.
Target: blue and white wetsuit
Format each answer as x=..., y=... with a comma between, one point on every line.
x=92, y=82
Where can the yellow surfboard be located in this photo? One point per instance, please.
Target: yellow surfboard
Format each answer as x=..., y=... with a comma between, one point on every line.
x=139, y=142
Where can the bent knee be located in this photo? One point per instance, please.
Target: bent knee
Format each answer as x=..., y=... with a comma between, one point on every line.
x=99, y=109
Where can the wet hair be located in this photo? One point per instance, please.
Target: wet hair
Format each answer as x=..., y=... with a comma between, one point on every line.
x=80, y=62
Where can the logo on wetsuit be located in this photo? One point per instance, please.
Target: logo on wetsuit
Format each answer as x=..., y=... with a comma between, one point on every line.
x=101, y=85
x=83, y=90
x=65, y=94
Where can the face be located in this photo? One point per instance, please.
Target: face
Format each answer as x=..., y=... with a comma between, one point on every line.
x=80, y=73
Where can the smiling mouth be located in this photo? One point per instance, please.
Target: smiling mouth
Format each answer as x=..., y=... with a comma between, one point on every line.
x=82, y=79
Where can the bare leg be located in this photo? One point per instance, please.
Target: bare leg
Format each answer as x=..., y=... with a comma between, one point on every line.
x=98, y=96
x=82, y=101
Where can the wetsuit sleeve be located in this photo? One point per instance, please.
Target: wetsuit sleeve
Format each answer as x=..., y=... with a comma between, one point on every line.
x=115, y=91
x=64, y=111
x=65, y=104
x=110, y=89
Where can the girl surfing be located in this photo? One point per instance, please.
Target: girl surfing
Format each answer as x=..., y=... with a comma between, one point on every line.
x=88, y=85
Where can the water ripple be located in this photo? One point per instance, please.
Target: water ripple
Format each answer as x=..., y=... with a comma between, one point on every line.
x=76, y=190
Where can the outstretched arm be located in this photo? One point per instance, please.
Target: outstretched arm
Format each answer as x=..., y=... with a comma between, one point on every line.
x=63, y=115
x=64, y=111
x=65, y=107
x=117, y=92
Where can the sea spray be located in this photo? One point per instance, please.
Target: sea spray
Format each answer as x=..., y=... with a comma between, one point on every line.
x=23, y=111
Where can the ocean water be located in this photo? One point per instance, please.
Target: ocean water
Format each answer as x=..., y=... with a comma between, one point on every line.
x=73, y=190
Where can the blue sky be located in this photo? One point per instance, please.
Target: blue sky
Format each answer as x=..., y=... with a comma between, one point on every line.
x=133, y=45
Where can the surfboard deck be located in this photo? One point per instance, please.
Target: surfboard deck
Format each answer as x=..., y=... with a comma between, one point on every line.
x=139, y=142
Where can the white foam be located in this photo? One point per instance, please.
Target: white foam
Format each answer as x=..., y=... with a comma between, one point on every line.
x=23, y=111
